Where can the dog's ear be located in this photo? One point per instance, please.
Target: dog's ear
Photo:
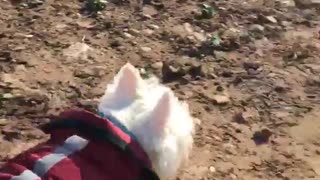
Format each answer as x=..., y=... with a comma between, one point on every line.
x=127, y=85
x=161, y=112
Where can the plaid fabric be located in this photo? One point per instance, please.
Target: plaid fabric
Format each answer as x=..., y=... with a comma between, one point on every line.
x=82, y=146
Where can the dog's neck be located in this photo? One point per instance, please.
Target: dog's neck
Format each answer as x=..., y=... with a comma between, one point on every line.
x=117, y=123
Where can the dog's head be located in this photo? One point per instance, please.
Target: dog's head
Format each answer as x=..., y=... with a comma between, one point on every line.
x=161, y=123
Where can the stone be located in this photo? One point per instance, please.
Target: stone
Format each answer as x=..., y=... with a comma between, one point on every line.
x=233, y=176
x=256, y=28
x=134, y=32
x=82, y=23
x=157, y=65
x=197, y=70
x=170, y=73
x=239, y=118
x=127, y=35
x=188, y=27
x=220, y=55
x=200, y=36
x=145, y=49
x=271, y=19
x=149, y=11
x=153, y=26
x=7, y=96
x=197, y=121
x=286, y=23
x=287, y=3
x=148, y=31
x=221, y=99
x=212, y=169
x=251, y=65
x=76, y=50
x=307, y=3
x=257, y=31
x=84, y=73
x=3, y=121
x=262, y=136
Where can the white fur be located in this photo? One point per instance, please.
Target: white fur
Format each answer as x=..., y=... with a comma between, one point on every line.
x=161, y=123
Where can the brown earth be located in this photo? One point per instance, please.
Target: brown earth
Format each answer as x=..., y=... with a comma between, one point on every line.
x=250, y=74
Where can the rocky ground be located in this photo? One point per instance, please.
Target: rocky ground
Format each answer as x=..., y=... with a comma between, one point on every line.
x=249, y=70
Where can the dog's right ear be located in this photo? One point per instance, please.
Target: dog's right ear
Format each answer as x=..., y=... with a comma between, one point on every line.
x=161, y=112
x=127, y=84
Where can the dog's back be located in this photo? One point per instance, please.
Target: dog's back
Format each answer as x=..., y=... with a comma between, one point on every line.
x=82, y=146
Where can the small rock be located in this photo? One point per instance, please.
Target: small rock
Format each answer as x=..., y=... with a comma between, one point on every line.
x=221, y=99
x=200, y=36
x=82, y=23
x=76, y=50
x=20, y=68
x=148, y=31
x=149, y=11
x=7, y=78
x=225, y=167
x=116, y=43
x=287, y=3
x=10, y=134
x=220, y=88
x=3, y=122
x=252, y=72
x=280, y=89
x=286, y=23
x=153, y=26
x=257, y=28
x=127, y=35
x=262, y=137
x=245, y=37
x=239, y=118
x=197, y=121
x=188, y=27
x=170, y=73
x=157, y=65
x=220, y=55
x=267, y=19
x=307, y=3
x=233, y=176
x=5, y=56
x=134, y=32
x=257, y=31
x=315, y=2
x=84, y=73
x=143, y=71
x=197, y=70
x=251, y=65
x=147, y=16
x=145, y=49
x=7, y=96
x=227, y=73
x=271, y=19
x=229, y=148
x=212, y=169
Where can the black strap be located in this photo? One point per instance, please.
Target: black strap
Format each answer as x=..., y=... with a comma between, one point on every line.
x=88, y=130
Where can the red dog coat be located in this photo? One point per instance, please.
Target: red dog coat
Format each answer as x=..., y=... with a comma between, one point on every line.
x=82, y=146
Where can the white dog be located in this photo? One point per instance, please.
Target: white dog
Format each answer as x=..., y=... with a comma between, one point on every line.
x=161, y=123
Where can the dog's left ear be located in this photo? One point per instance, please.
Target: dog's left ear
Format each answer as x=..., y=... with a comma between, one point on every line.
x=161, y=112
x=128, y=82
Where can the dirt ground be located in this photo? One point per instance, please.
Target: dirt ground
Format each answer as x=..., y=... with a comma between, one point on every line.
x=250, y=74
